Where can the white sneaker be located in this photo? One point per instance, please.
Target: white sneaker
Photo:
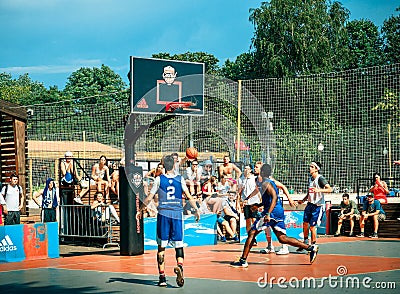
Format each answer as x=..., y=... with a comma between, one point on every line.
x=78, y=200
x=267, y=250
x=283, y=251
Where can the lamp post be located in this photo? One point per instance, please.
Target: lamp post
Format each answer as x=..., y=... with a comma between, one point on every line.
x=320, y=149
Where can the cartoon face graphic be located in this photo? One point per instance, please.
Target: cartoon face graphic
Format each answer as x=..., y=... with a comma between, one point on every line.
x=35, y=240
x=169, y=75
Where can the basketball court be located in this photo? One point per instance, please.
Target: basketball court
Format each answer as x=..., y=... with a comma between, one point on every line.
x=342, y=264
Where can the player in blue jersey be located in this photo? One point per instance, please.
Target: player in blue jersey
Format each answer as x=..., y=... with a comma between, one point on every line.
x=272, y=216
x=170, y=188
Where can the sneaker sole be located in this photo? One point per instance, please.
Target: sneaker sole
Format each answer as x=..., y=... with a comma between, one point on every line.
x=163, y=284
x=315, y=256
x=179, y=276
x=282, y=253
x=263, y=251
x=239, y=266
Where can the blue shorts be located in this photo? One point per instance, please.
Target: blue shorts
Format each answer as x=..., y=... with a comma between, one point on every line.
x=220, y=220
x=169, y=231
x=275, y=225
x=313, y=214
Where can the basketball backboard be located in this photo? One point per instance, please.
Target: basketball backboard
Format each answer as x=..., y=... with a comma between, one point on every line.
x=166, y=86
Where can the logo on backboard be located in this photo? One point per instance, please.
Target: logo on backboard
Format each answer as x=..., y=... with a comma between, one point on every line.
x=137, y=179
x=169, y=75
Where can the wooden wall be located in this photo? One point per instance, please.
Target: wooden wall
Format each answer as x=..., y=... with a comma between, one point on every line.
x=13, y=144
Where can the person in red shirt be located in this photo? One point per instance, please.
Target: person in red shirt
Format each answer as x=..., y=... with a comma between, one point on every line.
x=379, y=189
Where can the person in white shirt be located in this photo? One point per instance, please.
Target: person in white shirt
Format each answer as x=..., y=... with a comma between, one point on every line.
x=11, y=198
x=193, y=175
x=247, y=184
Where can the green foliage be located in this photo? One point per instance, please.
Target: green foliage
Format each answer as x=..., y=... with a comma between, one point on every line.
x=391, y=34
x=96, y=85
x=390, y=104
x=295, y=37
x=242, y=68
x=24, y=91
x=210, y=61
x=365, y=44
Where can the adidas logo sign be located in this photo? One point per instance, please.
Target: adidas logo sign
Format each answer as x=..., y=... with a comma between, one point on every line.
x=6, y=245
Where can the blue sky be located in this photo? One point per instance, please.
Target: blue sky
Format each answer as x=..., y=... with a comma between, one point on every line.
x=50, y=39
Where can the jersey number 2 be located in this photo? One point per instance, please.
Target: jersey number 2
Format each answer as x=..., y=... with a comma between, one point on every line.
x=170, y=192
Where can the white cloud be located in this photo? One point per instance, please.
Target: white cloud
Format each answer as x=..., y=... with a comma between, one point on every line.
x=52, y=69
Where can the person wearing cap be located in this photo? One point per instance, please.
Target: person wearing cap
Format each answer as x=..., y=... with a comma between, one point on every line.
x=317, y=186
x=372, y=210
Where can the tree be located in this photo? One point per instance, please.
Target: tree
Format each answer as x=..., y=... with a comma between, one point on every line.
x=241, y=69
x=210, y=61
x=95, y=85
x=391, y=35
x=24, y=91
x=295, y=37
x=365, y=44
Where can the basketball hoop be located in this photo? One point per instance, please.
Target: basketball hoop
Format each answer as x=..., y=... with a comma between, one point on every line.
x=173, y=106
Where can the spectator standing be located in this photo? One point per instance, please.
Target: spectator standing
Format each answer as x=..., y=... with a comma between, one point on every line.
x=379, y=188
x=70, y=177
x=348, y=211
x=372, y=210
x=11, y=198
x=227, y=168
x=49, y=201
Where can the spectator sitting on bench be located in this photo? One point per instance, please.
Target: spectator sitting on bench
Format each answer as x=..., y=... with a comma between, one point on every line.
x=193, y=174
x=372, y=210
x=228, y=219
x=101, y=176
x=102, y=210
x=349, y=212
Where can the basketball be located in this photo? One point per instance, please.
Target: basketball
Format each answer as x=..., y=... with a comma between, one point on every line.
x=192, y=153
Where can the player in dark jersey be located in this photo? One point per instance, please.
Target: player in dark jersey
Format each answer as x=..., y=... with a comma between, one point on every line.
x=272, y=216
x=169, y=188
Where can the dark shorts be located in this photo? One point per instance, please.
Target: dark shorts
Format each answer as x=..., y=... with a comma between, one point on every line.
x=169, y=231
x=12, y=218
x=248, y=213
x=228, y=217
x=313, y=214
x=49, y=215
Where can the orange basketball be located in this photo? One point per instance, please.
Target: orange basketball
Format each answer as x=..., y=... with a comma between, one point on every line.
x=192, y=153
